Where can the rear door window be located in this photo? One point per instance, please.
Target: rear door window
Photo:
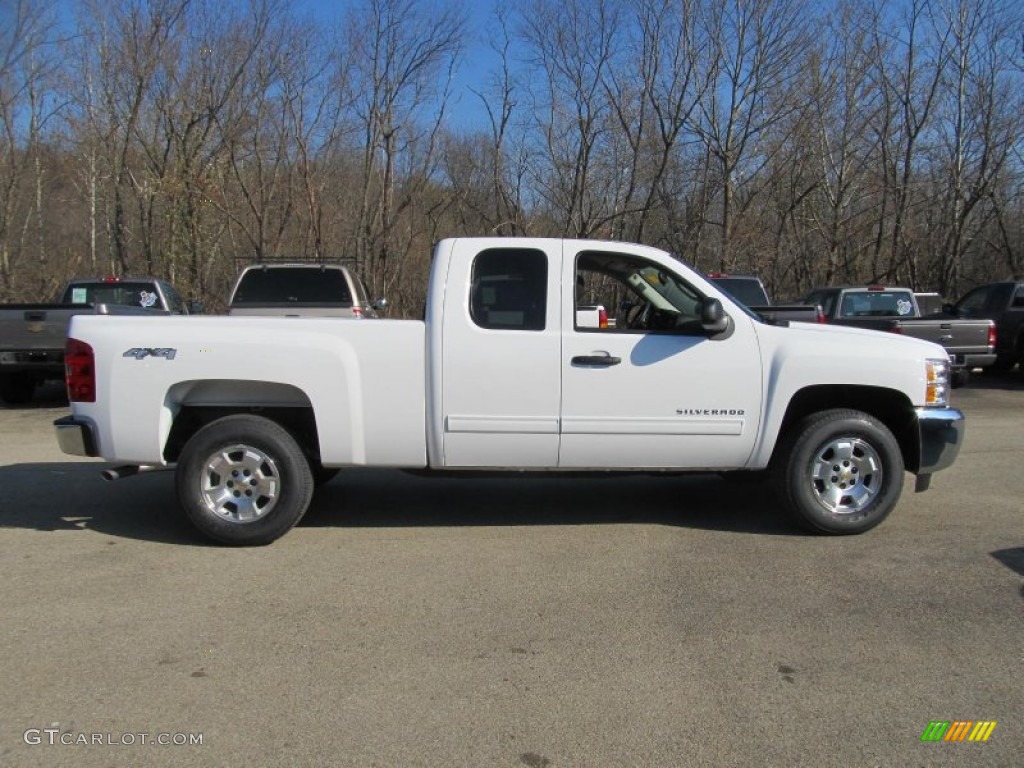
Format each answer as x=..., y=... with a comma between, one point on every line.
x=973, y=304
x=509, y=289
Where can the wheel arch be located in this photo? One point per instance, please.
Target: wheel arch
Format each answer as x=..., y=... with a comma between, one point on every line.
x=191, y=405
x=891, y=407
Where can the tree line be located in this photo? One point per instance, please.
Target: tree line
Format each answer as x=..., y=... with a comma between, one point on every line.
x=813, y=144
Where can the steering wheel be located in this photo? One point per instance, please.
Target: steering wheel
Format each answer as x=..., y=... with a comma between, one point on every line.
x=636, y=316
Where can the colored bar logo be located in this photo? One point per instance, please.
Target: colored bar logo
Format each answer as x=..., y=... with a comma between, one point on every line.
x=958, y=730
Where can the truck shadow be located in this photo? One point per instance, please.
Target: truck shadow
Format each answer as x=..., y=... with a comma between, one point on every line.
x=1012, y=558
x=71, y=496
x=387, y=498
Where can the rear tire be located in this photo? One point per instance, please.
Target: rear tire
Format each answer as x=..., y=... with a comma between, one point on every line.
x=839, y=472
x=17, y=388
x=243, y=480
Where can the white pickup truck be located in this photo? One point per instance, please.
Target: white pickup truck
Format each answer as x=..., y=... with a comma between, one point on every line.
x=253, y=411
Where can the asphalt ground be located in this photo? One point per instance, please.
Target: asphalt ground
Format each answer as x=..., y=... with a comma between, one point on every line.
x=517, y=621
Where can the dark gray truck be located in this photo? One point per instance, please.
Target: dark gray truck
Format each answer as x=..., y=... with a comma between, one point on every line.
x=1002, y=303
x=969, y=342
x=32, y=335
x=750, y=291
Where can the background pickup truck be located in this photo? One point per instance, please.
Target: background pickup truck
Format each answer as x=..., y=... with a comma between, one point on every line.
x=32, y=335
x=750, y=291
x=301, y=290
x=969, y=343
x=1002, y=303
x=500, y=375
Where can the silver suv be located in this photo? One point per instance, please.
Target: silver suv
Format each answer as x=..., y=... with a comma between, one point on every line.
x=301, y=290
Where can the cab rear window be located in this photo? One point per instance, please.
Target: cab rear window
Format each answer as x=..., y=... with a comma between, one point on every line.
x=123, y=294
x=877, y=304
x=293, y=287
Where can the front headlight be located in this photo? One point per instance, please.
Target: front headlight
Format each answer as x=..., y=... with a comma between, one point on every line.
x=936, y=382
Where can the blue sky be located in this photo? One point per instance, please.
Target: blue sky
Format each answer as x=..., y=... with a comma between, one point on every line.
x=478, y=64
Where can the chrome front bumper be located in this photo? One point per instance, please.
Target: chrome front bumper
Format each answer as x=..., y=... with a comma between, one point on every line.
x=75, y=437
x=941, y=433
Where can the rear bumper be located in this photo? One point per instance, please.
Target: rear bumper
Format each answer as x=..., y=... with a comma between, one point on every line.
x=76, y=436
x=46, y=362
x=941, y=432
x=973, y=361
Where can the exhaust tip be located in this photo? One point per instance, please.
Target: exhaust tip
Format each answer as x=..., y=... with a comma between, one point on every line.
x=116, y=473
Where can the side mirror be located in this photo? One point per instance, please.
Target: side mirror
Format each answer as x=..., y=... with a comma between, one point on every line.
x=380, y=304
x=712, y=316
x=195, y=307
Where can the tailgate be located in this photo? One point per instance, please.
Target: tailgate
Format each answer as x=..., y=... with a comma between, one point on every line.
x=959, y=337
x=30, y=328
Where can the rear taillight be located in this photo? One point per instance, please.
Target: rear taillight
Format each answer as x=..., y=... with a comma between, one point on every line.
x=357, y=312
x=602, y=317
x=821, y=315
x=991, y=335
x=79, y=372
x=896, y=327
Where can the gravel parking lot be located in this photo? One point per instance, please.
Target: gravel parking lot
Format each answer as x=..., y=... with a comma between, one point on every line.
x=551, y=621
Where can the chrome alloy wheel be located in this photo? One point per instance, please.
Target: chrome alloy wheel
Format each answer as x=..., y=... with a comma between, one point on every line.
x=846, y=475
x=239, y=483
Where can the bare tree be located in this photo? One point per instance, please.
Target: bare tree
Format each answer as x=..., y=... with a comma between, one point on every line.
x=572, y=45
x=128, y=41
x=754, y=59
x=497, y=197
x=909, y=69
x=979, y=116
x=26, y=104
x=842, y=106
x=405, y=53
x=317, y=98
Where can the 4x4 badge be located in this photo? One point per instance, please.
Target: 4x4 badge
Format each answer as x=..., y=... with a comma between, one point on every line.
x=142, y=352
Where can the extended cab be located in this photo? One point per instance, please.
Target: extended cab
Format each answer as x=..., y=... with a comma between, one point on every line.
x=500, y=375
x=32, y=335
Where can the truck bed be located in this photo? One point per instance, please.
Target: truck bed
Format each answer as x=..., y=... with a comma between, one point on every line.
x=368, y=393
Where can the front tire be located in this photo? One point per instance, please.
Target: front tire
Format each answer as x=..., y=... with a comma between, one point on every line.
x=839, y=472
x=243, y=480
